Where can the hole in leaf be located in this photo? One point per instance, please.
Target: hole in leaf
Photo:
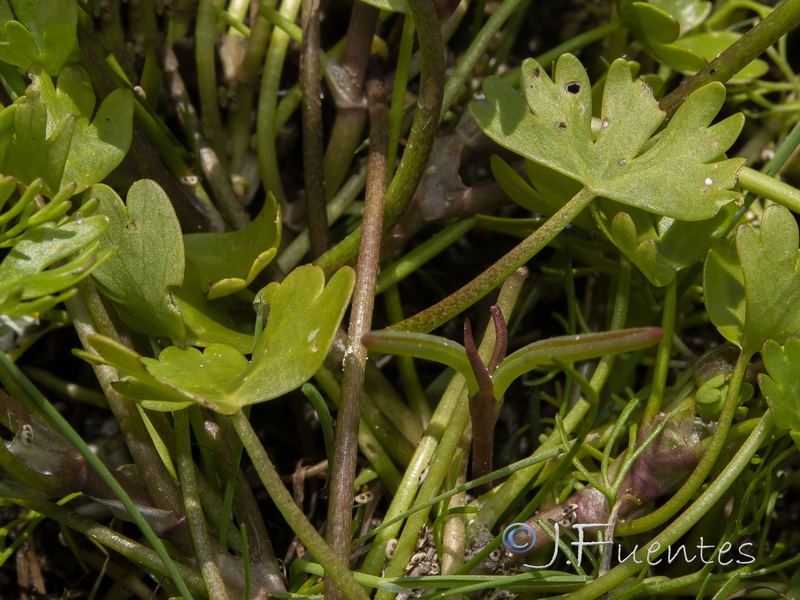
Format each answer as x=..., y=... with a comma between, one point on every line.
x=573, y=87
x=561, y=126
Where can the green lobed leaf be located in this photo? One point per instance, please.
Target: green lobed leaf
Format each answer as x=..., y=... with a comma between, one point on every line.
x=139, y=279
x=228, y=262
x=752, y=283
x=689, y=13
x=657, y=30
x=46, y=35
x=781, y=382
x=30, y=137
x=208, y=321
x=303, y=318
x=96, y=147
x=552, y=126
x=660, y=246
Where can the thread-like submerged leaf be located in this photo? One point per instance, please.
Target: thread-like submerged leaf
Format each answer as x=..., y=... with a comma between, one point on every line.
x=677, y=173
x=303, y=318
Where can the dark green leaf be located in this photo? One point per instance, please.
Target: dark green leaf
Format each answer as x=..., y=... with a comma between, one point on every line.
x=660, y=246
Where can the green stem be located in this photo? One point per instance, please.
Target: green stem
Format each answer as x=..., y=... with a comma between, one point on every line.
x=355, y=356
x=571, y=45
x=710, y=456
x=420, y=140
x=65, y=429
x=266, y=130
x=90, y=318
x=692, y=515
x=333, y=565
x=455, y=83
x=371, y=446
x=347, y=194
x=771, y=188
x=484, y=283
x=397, y=107
x=346, y=81
x=443, y=456
x=423, y=253
x=313, y=151
x=739, y=54
x=205, y=45
x=240, y=119
x=661, y=370
x=194, y=511
x=130, y=549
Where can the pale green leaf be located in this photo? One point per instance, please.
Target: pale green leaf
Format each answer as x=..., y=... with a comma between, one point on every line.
x=752, y=284
x=303, y=318
x=552, y=126
x=657, y=30
x=44, y=34
x=150, y=261
x=96, y=147
x=31, y=138
x=782, y=381
x=228, y=262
